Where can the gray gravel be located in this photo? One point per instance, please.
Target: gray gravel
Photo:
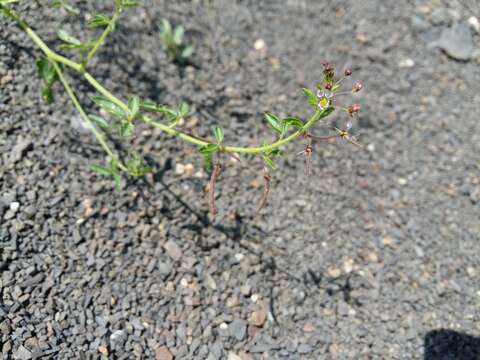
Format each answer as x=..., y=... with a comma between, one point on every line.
x=374, y=256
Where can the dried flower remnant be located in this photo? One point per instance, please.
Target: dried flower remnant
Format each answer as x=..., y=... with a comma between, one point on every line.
x=357, y=87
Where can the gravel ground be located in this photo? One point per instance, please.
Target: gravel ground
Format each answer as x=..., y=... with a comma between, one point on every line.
x=374, y=256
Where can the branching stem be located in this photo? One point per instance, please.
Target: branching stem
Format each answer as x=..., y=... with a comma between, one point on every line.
x=80, y=68
x=78, y=106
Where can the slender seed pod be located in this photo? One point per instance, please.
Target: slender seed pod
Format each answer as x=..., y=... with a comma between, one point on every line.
x=266, y=190
x=217, y=168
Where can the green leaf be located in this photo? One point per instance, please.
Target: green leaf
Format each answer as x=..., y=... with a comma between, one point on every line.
x=126, y=128
x=46, y=70
x=274, y=122
x=293, y=121
x=109, y=106
x=150, y=105
x=187, y=52
x=71, y=9
x=69, y=39
x=102, y=170
x=207, y=152
x=49, y=76
x=219, y=135
x=101, y=122
x=8, y=2
x=268, y=162
x=326, y=112
x=166, y=28
x=118, y=182
x=209, y=148
x=47, y=94
x=71, y=42
x=129, y=3
x=134, y=106
x=178, y=35
x=183, y=109
x=136, y=166
x=98, y=20
x=312, y=98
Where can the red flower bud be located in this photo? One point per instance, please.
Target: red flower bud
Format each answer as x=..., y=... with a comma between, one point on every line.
x=348, y=72
x=353, y=109
x=328, y=86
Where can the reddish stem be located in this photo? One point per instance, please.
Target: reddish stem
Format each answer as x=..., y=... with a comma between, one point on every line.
x=217, y=167
x=266, y=190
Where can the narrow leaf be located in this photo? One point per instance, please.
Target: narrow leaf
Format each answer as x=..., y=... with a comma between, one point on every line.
x=293, y=121
x=69, y=39
x=274, y=122
x=102, y=170
x=311, y=97
x=98, y=20
x=268, y=162
x=219, y=135
x=101, y=122
x=209, y=148
x=109, y=106
x=134, y=106
x=187, y=52
x=178, y=34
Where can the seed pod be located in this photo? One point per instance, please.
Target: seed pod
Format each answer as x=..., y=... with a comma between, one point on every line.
x=357, y=87
x=217, y=168
x=266, y=190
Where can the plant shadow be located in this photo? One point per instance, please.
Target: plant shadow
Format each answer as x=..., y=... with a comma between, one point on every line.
x=444, y=344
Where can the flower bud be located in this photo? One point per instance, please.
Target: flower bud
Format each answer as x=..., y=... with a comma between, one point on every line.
x=357, y=87
x=348, y=72
x=328, y=86
x=353, y=109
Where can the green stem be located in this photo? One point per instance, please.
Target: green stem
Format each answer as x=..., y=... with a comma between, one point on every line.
x=84, y=116
x=101, y=39
x=56, y=58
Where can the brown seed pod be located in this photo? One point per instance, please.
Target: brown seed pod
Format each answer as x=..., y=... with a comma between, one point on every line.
x=217, y=168
x=357, y=87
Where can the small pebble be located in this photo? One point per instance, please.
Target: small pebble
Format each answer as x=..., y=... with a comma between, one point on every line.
x=259, y=44
x=258, y=318
x=474, y=23
x=14, y=206
x=406, y=63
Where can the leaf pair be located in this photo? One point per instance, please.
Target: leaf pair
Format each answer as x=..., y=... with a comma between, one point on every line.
x=49, y=76
x=124, y=119
x=281, y=126
x=99, y=20
x=173, y=114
